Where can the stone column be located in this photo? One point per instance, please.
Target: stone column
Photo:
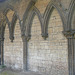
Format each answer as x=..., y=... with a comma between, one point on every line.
x=1, y=51
x=24, y=53
x=71, y=51
x=71, y=57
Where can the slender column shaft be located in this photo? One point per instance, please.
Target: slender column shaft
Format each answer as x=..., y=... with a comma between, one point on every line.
x=70, y=56
x=25, y=53
x=0, y=52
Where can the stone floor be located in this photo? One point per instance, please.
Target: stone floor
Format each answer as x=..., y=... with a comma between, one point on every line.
x=10, y=72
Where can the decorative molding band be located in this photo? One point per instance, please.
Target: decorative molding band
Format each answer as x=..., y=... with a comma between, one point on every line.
x=69, y=34
x=26, y=37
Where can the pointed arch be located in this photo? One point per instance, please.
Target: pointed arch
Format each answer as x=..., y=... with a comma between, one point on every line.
x=11, y=25
x=30, y=6
x=32, y=13
x=49, y=10
x=70, y=14
x=7, y=9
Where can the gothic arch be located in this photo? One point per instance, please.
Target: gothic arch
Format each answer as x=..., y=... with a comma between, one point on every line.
x=31, y=15
x=70, y=14
x=57, y=5
x=8, y=8
x=11, y=25
x=30, y=5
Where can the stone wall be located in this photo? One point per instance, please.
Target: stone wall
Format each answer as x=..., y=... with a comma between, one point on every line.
x=48, y=56
x=13, y=52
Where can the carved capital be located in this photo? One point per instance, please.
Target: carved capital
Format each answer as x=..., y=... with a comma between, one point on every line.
x=69, y=34
x=23, y=37
x=26, y=38
x=11, y=37
x=44, y=35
